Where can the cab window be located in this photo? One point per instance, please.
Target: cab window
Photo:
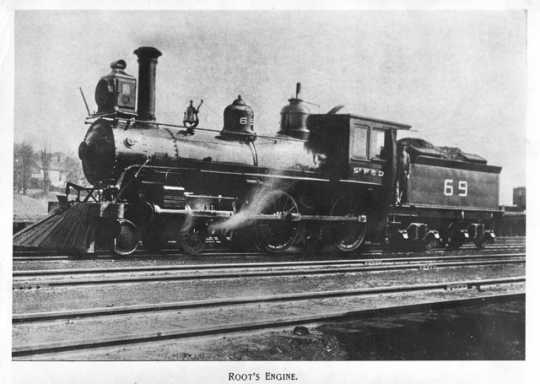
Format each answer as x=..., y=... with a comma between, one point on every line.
x=376, y=144
x=359, y=136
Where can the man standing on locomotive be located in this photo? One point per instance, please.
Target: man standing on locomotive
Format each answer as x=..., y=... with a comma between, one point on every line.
x=404, y=170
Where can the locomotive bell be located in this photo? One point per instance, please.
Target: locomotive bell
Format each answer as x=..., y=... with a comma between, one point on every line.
x=116, y=91
x=294, y=117
x=238, y=121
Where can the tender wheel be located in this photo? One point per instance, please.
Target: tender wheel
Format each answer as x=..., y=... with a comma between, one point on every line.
x=431, y=243
x=350, y=236
x=480, y=243
x=454, y=239
x=454, y=243
x=279, y=235
x=193, y=240
x=127, y=239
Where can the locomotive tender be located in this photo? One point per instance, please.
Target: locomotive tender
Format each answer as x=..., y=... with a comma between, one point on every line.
x=324, y=180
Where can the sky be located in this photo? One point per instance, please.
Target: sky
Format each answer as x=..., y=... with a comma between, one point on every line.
x=458, y=77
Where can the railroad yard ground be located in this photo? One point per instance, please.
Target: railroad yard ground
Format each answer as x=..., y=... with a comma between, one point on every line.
x=464, y=304
x=488, y=331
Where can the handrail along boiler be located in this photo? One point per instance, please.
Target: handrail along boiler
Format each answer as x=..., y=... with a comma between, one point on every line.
x=324, y=179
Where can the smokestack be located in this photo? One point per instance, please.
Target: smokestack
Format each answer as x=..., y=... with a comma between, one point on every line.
x=146, y=95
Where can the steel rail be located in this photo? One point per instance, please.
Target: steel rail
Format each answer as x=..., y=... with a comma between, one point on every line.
x=292, y=320
x=51, y=255
x=500, y=242
x=249, y=274
x=187, y=267
x=129, y=309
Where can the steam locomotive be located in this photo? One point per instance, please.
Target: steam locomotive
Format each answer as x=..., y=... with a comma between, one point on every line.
x=323, y=181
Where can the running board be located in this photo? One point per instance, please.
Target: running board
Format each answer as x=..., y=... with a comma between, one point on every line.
x=293, y=217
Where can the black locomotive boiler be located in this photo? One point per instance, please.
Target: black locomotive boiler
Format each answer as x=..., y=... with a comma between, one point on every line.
x=324, y=180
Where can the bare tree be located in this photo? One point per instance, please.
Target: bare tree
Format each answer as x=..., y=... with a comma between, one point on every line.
x=23, y=162
x=45, y=158
x=73, y=169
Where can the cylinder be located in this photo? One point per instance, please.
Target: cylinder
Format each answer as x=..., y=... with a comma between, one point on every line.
x=146, y=96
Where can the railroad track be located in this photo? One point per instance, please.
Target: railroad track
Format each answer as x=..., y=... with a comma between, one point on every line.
x=36, y=262
x=48, y=255
x=103, y=312
x=94, y=276
x=130, y=325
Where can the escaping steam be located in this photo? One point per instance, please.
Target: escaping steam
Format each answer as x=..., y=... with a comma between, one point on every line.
x=258, y=200
x=188, y=222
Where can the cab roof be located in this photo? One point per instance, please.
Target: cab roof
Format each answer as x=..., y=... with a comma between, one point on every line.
x=387, y=122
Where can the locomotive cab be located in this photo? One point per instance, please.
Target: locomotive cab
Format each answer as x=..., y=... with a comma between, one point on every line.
x=356, y=148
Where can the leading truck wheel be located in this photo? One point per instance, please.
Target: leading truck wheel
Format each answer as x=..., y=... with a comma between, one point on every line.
x=125, y=243
x=278, y=235
x=349, y=236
